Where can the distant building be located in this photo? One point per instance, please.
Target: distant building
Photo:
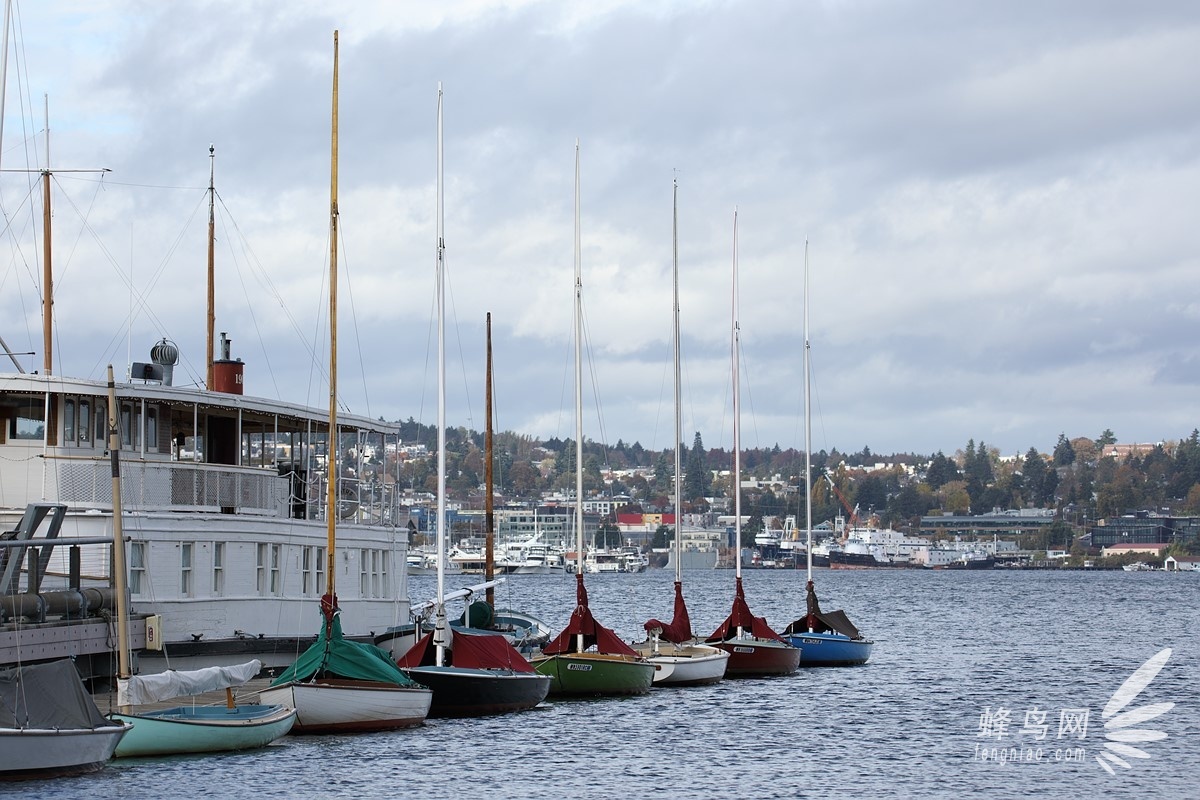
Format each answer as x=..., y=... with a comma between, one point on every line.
x=1005, y=523
x=1153, y=548
x=1143, y=527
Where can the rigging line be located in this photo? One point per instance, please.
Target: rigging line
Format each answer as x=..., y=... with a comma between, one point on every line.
x=142, y=297
x=592, y=374
x=462, y=360
x=264, y=279
x=353, y=320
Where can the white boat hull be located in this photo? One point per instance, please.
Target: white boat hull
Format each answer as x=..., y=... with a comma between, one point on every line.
x=36, y=753
x=689, y=665
x=347, y=706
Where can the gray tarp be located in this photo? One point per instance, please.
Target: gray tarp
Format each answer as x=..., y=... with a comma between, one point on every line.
x=47, y=696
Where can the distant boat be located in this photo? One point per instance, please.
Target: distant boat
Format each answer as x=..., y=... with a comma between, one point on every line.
x=678, y=658
x=612, y=667
x=471, y=674
x=754, y=648
x=825, y=639
x=338, y=685
x=49, y=724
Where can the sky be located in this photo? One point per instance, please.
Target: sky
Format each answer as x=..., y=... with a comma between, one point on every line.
x=999, y=202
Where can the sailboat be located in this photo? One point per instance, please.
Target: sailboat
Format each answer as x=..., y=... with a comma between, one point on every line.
x=754, y=648
x=338, y=685
x=613, y=667
x=185, y=728
x=681, y=661
x=471, y=673
x=829, y=638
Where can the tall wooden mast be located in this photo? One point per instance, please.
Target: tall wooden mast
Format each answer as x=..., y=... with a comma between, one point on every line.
x=212, y=237
x=331, y=449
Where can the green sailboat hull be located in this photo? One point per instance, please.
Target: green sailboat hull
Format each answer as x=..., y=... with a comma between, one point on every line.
x=593, y=674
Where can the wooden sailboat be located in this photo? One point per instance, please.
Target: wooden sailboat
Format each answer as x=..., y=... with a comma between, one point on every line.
x=471, y=673
x=678, y=659
x=338, y=685
x=185, y=728
x=587, y=658
x=825, y=639
x=754, y=648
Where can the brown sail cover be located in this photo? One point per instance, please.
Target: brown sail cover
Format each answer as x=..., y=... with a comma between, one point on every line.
x=680, y=629
x=582, y=622
x=741, y=617
x=470, y=650
x=817, y=621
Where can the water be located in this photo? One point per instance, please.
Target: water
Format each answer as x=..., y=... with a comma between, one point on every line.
x=948, y=645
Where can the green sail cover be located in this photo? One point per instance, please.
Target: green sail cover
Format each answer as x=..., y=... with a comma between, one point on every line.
x=337, y=657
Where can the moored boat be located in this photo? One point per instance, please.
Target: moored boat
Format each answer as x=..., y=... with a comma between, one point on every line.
x=824, y=639
x=681, y=661
x=612, y=667
x=338, y=685
x=754, y=648
x=49, y=724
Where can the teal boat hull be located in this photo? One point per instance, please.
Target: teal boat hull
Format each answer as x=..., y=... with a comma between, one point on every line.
x=203, y=729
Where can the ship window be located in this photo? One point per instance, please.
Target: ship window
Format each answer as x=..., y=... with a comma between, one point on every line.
x=126, y=425
x=320, y=569
x=276, y=551
x=29, y=422
x=218, y=586
x=85, y=422
x=152, y=428
x=306, y=556
x=137, y=566
x=69, y=422
x=185, y=569
x=102, y=423
x=261, y=580
x=364, y=584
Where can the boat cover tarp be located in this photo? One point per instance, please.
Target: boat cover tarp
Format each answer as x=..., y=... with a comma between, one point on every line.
x=141, y=689
x=740, y=617
x=47, y=696
x=334, y=656
x=818, y=621
x=582, y=622
x=680, y=629
x=470, y=650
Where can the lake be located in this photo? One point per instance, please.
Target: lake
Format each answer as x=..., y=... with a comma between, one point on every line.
x=969, y=667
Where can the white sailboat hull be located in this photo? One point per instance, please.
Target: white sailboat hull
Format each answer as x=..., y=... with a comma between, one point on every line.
x=345, y=706
x=688, y=665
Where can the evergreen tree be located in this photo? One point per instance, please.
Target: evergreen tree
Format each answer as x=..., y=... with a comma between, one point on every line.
x=1034, y=471
x=1064, y=453
x=697, y=481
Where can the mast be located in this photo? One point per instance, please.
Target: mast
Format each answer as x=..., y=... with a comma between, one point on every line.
x=737, y=423
x=47, y=272
x=212, y=237
x=331, y=449
x=488, y=512
x=578, y=392
x=807, y=429
x=114, y=451
x=678, y=421
x=441, y=411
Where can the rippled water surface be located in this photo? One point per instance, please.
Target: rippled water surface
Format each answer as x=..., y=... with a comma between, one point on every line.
x=948, y=646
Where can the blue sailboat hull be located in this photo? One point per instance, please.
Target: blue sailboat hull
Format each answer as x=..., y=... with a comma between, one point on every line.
x=830, y=649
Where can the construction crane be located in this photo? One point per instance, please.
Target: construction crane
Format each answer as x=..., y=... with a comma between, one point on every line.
x=851, y=513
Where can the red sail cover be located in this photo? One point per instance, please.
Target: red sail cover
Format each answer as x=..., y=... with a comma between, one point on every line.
x=680, y=629
x=582, y=622
x=469, y=650
x=741, y=617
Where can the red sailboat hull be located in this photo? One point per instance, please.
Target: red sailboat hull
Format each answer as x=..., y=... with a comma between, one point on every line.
x=750, y=658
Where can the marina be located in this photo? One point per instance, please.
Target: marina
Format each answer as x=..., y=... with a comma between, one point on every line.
x=906, y=724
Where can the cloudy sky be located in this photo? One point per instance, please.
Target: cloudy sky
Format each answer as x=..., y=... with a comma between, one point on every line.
x=1000, y=201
